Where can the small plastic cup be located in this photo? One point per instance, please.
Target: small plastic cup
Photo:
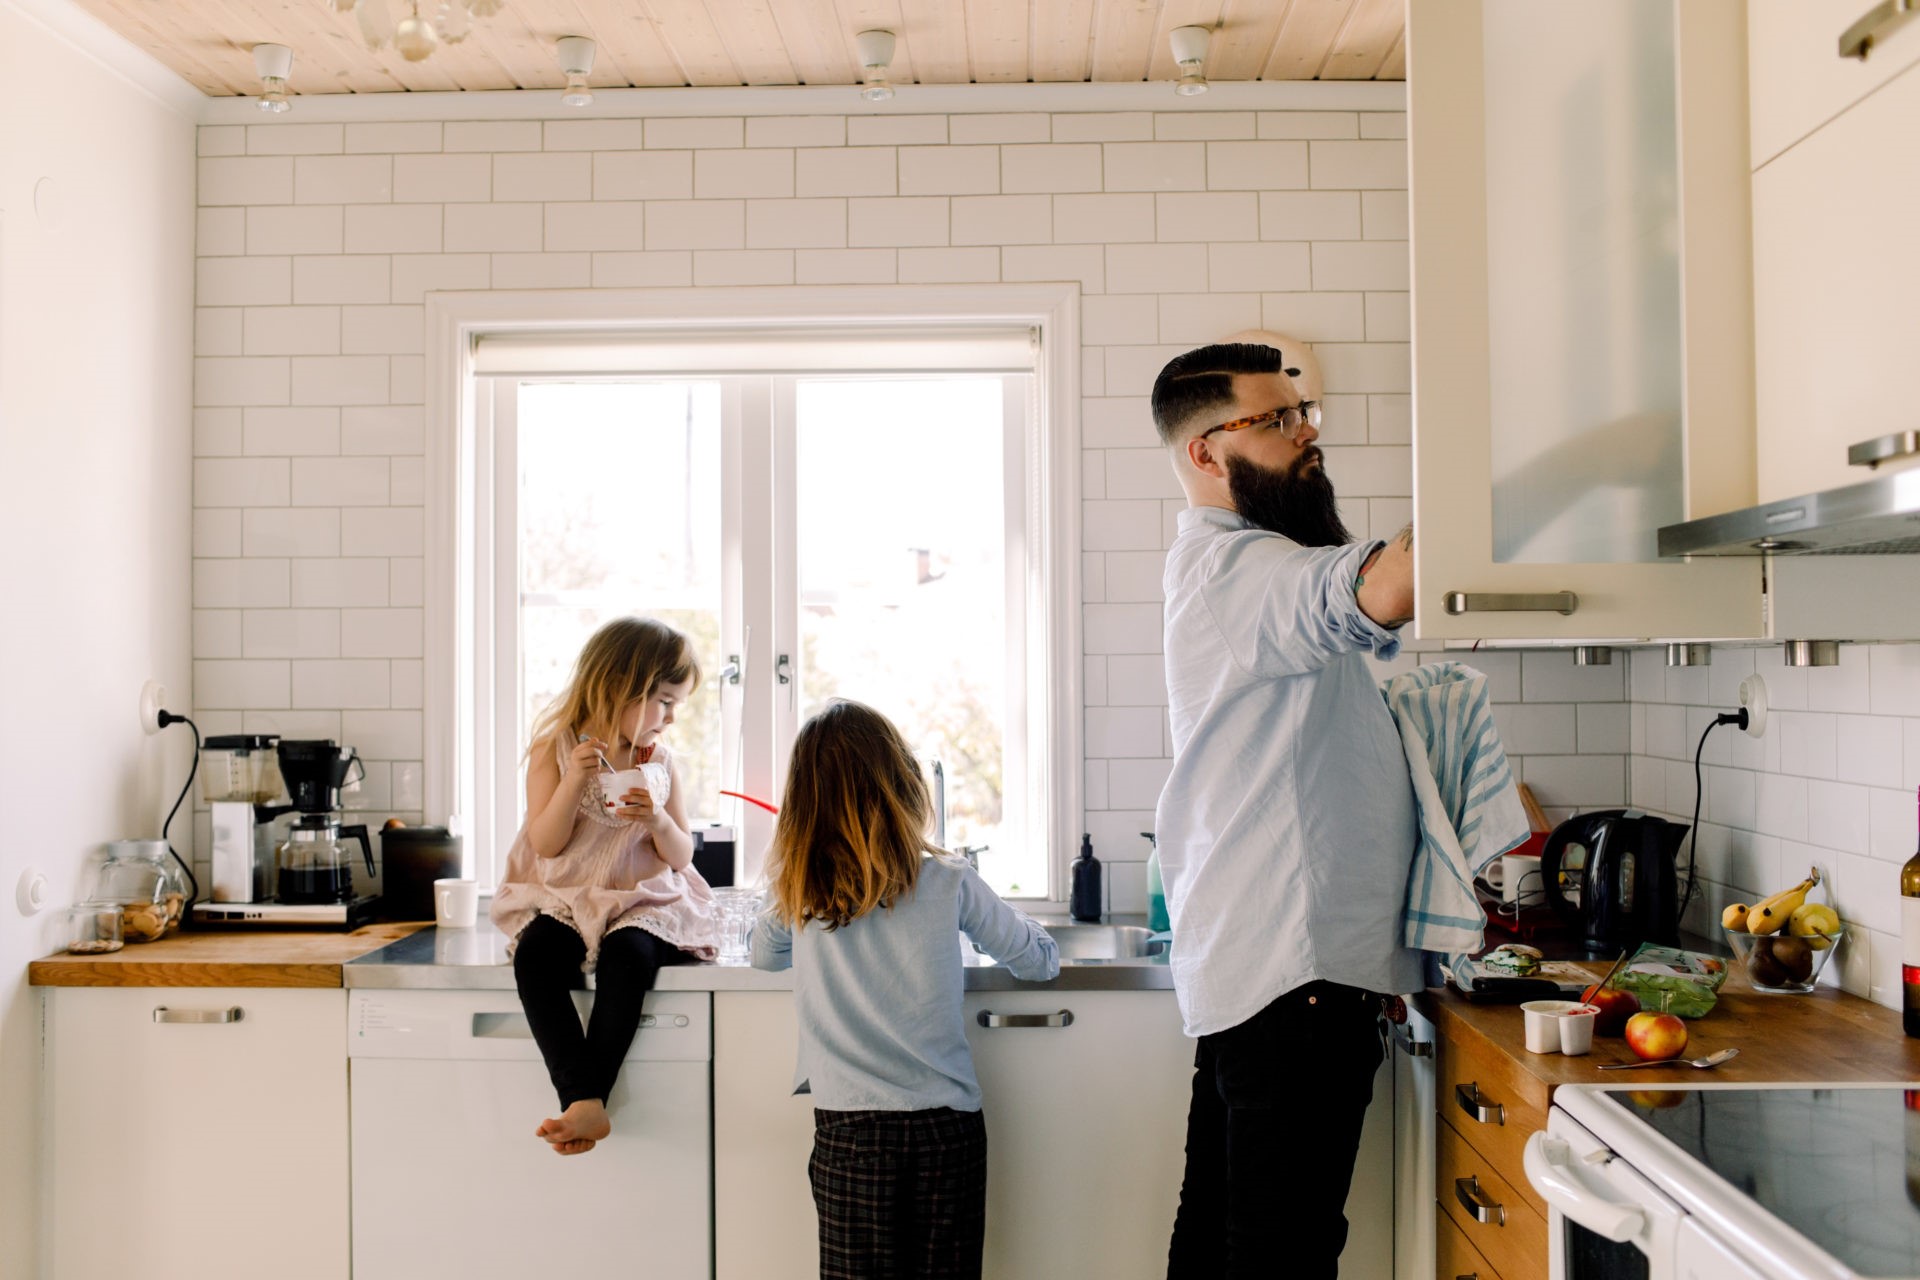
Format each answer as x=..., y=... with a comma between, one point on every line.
x=1576, y=1028
x=1542, y=1023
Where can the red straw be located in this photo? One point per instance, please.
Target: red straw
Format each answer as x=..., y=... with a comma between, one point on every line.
x=754, y=800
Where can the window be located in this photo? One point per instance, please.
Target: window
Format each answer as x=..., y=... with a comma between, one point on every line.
x=837, y=514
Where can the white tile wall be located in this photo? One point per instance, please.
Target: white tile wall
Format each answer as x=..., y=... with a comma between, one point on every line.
x=317, y=245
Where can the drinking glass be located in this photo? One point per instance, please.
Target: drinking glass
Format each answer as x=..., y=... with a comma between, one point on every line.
x=735, y=907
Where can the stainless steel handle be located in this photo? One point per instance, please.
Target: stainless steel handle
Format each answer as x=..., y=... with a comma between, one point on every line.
x=1560, y=602
x=1403, y=1041
x=1871, y=453
x=1468, y=1096
x=1875, y=25
x=1476, y=1202
x=164, y=1014
x=988, y=1018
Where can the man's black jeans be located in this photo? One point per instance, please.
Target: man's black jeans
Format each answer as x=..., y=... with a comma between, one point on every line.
x=1272, y=1134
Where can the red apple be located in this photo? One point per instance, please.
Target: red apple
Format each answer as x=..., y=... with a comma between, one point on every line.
x=1655, y=1037
x=1615, y=1006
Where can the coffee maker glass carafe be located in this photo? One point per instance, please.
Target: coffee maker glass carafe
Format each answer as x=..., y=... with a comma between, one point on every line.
x=316, y=860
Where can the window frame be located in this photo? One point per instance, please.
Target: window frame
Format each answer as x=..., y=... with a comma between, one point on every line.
x=464, y=613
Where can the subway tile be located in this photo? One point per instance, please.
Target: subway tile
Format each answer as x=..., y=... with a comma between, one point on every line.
x=1046, y=167
x=1780, y=808
x=409, y=482
x=1216, y=215
x=347, y=279
x=291, y=633
x=1389, y=317
x=549, y=176
x=382, y=429
x=292, y=532
x=616, y=225
x=340, y=482
x=949, y=266
x=221, y=140
x=1199, y=318
x=1309, y=215
x=1135, y=577
x=696, y=224
x=220, y=232
x=382, y=330
x=242, y=282
x=390, y=138
x=896, y=131
x=292, y=228
x=407, y=684
x=291, y=432
x=1120, y=526
x=688, y=134
x=1137, y=680
x=415, y=275
x=407, y=379
x=1083, y=264
x=338, y=685
x=246, y=180
x=1120, y=318
x=216, y=532
x=240, y=584
x=845, y=172
x=1843, y=687
x=1316, y=317
x=1371, y=472
x=1103, y=219
x=1603, y=728
x=1551, y=676
x=239, y=684
x=237, y=380
x=1583, y=782
x=1103, y=126
x=541, y=271
x=796, y=224
x=286, y=138
x=381, y=633
x=337, y=584
x=722, y=267
x=759, y=174
x=1116, y=422
x=1808, y=743
x=1646, y=783
x=492, y=135
x=1137, y=783
x=395, y=228
x=998, y=220
x=1278, y=268
x=615, y=135
x=1359, y=165
x=1837, y=816
x=949, y=169
x=1361, y=264
x=383, y=531
x=1183, y=126
x=1156, y=166
x=346, y=179
x=1256, y=166
x=1529, y=728
x=1869, y=750
x=1093, y=372
x=384, y=735
x=1383, y=124
x=1155, y=268
x=1028, y=126
x=845, y=266
x=292, y=331
x=508, y=228
x=1911, y=777
x=642, y=270
x=1690, y=686
x=878, y=222
x=1121, y=732
x=1308, y=124
x=796, y=131
x=1138, y=473
x=216, y=633
x=1094, y=788
x=1383, y=215
x=406, y=581
x=338, y=380
x=1131, y=370
x=1667, y=732
x=643, y=175
x=1366, y=366
x=219, y=331
x=1502, y=670
x=1093, y=590
x=1894, y=679
x=442, y=179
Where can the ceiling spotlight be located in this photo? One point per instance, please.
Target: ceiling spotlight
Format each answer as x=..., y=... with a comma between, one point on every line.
x=1189, y=51
x=576, y=60
x=876, y=54
x=414, y=36
x=273, y=62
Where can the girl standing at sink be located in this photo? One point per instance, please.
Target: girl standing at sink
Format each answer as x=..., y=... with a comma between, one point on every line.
x=864, y=910
x=599, y=882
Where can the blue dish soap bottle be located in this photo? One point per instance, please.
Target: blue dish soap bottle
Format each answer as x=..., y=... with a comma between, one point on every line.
x=1158, y=921
x=1084, y=902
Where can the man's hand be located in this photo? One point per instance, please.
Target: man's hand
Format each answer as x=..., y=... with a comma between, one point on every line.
x=1385, y=590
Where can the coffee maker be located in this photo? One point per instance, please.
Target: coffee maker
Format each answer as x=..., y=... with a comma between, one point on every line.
x=312, y=860
x=240, y=780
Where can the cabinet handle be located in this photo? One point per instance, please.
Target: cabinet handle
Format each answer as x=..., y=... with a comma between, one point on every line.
x=164, y=1014
x=1403, y=1040
x=1560, y=602
x=988, y=1018
x=1871, y=453
x=1468, y=1096
x=1875, y=25
x=1476, y=1202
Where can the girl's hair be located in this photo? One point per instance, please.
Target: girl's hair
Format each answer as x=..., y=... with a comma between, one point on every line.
x=853, y=821
x=623, y=663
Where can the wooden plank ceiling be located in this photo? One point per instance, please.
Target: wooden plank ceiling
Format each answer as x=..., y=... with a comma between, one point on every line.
x=665, y=43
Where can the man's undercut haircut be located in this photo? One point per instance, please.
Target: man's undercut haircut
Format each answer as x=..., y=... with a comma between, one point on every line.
x=1201, y=383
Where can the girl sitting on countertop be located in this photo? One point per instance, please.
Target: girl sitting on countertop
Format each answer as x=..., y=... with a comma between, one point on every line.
x=602, y=884
x=865, y=911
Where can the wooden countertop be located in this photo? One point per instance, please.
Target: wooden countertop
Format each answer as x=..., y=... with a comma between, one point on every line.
x=1823, y=1035
x=280, y=958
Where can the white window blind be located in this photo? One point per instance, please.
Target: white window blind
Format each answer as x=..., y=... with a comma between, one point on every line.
x=899, y=349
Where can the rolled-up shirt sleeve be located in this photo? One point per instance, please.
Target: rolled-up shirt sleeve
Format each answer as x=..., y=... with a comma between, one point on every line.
x=1284, y=609
x=1006, y=934
x=771, y=944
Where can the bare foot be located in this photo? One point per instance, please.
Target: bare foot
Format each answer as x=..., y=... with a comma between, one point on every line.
x=577, y=1129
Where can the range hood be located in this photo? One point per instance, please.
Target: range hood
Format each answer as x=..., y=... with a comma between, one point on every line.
x=1880, y=516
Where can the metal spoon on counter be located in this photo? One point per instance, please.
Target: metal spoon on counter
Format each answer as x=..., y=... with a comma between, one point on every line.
x=1711, y=1060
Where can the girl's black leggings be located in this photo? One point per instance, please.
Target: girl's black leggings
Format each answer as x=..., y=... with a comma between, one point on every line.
x=583, y=1063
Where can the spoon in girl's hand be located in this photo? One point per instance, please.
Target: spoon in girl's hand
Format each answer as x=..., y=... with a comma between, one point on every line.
x=587, y=737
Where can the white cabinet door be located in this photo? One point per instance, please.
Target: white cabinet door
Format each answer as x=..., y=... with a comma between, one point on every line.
x=1582, y=362
x=1797, y=78
x=196, y=1146
x=763, y=1219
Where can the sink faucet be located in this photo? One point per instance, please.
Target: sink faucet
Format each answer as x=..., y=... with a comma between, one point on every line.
x=939, y=772
x=972, y=852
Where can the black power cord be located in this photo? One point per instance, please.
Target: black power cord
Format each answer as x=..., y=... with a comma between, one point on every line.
x=1699, y=793
x=193, y=883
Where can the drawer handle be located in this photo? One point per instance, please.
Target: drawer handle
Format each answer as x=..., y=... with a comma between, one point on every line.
x=988, y=1018
x=1560, y=602
x=1403, y=1040
x=1468, y=1096
x=1476, y=1202
x=164, y=1014
x=1873, y=26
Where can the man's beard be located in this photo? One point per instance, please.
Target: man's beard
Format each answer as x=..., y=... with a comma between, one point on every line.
x=1296, y=503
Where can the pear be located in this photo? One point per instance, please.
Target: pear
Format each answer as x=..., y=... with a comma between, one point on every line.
x=1816, y=922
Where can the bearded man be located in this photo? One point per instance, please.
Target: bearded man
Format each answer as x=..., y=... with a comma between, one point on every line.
x=1287, y=825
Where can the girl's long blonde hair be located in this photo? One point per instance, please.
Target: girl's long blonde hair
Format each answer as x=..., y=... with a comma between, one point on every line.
x=853, y=822
x=622, y=663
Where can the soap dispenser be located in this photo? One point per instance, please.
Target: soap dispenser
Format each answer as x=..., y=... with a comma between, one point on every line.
x=1084, y=904
x=1158, y=921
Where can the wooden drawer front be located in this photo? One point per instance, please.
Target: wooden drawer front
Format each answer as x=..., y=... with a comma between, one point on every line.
x=1515, y=1239
x=1455, y=1258
x=1493, y=1110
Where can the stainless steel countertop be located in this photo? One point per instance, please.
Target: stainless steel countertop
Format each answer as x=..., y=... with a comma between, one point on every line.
x=476, y=960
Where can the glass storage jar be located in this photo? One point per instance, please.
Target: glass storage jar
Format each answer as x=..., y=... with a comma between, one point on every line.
x=93, y=928
x=142, y=877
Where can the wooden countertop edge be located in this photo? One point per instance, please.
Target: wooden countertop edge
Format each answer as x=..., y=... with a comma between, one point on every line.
x=283, y=958
x=60, y=973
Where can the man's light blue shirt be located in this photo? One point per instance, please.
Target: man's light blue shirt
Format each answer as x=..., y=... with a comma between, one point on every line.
x=1287, y=827
x=882, y=1027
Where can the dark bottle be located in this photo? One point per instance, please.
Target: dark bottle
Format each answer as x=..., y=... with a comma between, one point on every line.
x=1084, y=904
x=1909, y=944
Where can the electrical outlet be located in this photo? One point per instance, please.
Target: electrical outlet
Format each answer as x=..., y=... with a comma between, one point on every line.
x=1753, y=698
x=153, y=696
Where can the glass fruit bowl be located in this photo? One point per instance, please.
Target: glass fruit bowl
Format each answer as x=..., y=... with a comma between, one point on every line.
x=1782, y=961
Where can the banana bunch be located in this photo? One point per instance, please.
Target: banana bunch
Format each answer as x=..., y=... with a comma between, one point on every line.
x=1788, y=910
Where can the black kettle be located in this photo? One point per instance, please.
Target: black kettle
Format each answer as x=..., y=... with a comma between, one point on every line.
x=1629, y=889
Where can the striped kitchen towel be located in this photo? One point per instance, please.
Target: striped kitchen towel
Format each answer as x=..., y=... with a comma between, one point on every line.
x=1470, y=811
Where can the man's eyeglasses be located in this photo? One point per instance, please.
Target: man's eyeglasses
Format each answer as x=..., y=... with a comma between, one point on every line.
x=1289, y=420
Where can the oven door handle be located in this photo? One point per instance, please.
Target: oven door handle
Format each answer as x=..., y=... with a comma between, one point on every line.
x=1546, y=1162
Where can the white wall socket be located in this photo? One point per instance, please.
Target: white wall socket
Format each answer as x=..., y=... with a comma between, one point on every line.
x=153, y=696
x=1753, y=697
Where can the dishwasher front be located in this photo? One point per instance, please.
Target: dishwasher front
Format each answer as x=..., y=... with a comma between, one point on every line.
x=449, y=1179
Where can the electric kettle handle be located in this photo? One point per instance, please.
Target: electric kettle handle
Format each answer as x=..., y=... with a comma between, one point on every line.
x=358, y=831
x=1580, y=830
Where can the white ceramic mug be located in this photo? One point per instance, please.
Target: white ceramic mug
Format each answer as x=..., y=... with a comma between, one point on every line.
x=456, y=903
x=1575, y=1027
x=1518, y=879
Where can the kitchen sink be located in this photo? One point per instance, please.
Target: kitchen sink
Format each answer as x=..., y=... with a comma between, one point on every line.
x=1084, y=942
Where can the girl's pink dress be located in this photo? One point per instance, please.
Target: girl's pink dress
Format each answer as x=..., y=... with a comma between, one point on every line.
x=609, y=877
